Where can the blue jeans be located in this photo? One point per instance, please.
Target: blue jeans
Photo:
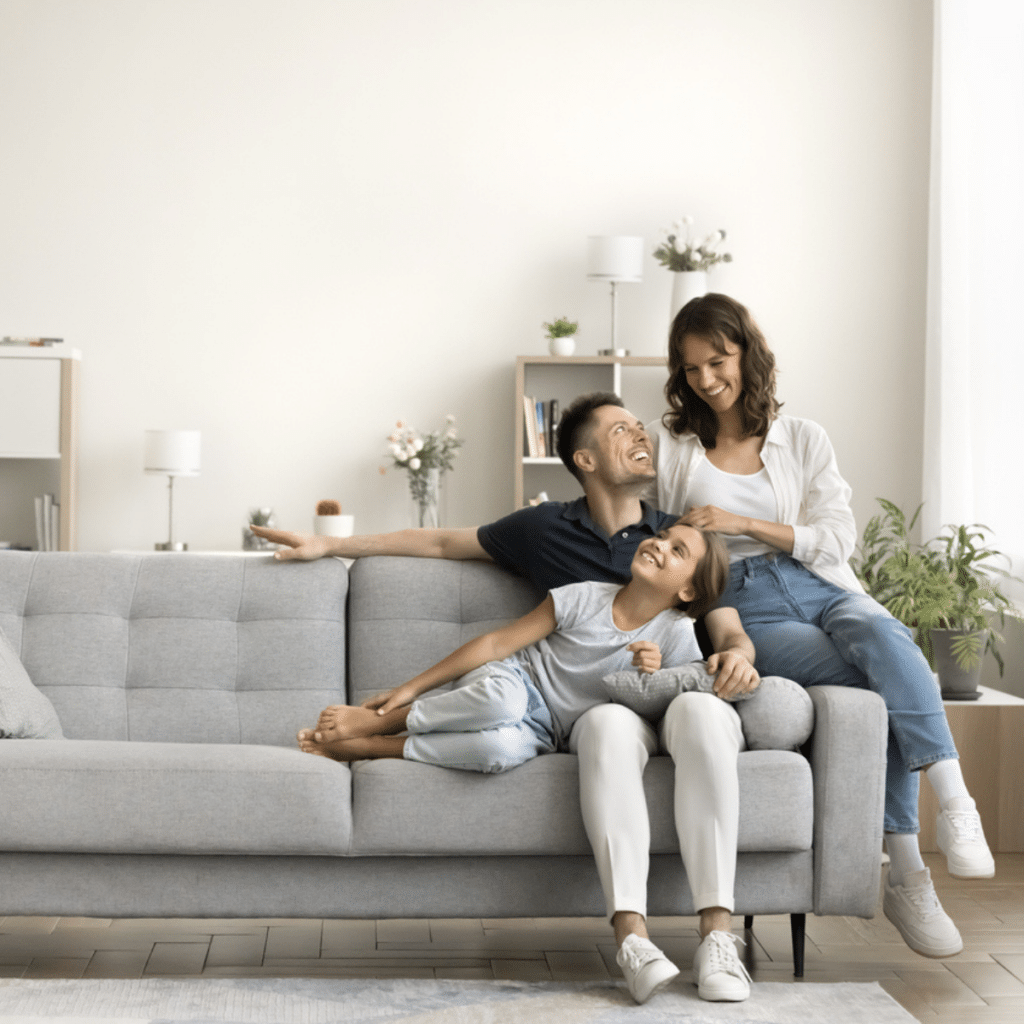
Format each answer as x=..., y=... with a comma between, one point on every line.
x=494, y=720
x=814, y=632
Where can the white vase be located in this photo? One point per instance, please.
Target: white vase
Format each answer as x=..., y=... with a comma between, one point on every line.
x=562, y=346
x=333, y=526
x=686, y=285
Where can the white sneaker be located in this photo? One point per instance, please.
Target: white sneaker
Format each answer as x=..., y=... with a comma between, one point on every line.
x=646, y=969
x=915, y=910
x=718, y=972
x=959, y=836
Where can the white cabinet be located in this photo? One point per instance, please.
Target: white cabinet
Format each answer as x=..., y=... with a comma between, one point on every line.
x=638, y=380
x=38, y=440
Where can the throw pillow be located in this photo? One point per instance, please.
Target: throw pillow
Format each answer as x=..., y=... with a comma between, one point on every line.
x=778, y=715
x=25, y=713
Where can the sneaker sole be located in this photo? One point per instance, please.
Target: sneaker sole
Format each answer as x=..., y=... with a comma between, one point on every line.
x=723, y=995
x=933, y=952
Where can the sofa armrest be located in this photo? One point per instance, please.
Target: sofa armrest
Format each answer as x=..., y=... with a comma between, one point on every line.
x=848, y=763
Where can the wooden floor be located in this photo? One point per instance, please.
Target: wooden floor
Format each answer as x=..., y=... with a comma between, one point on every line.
x=985, y=983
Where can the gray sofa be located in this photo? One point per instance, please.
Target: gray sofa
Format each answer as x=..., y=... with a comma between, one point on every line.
x=180, y=681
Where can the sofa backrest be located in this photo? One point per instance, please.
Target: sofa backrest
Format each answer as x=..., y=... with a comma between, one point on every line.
x=406, y=614
x=178, y=647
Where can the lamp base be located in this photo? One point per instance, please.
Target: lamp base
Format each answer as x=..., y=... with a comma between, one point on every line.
x=168, y=546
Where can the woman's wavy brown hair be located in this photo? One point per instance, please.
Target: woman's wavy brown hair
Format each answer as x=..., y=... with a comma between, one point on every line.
x=718, y=318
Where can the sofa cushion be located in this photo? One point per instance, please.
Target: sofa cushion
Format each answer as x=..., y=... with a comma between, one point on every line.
x=87, y=796
x=177, y=647
x=25, y=713
x=403, y=807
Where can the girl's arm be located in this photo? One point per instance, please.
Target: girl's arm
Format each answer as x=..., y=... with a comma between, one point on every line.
x=493, y=646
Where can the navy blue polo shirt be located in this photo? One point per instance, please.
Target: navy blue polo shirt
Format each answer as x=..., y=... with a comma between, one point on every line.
x=558, y=543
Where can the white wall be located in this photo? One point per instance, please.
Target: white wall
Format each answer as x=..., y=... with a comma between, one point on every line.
x=288, y=224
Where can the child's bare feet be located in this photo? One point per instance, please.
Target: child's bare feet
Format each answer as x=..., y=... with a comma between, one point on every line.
x=360, y=748
x=307, y=744
x=349, y=723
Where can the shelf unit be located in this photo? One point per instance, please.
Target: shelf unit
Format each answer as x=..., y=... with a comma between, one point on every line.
x=564, y=378
x=38, y=440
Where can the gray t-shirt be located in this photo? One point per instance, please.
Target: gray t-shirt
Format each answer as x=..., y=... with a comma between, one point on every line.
x=568, y=665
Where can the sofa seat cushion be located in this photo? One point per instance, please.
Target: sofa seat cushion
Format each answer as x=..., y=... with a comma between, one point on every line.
x=101, y=796
x=408, y=808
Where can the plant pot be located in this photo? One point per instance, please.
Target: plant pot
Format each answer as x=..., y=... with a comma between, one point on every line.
x=564, y=346
x=333, y=526
x=955, y=682
x=686, y=285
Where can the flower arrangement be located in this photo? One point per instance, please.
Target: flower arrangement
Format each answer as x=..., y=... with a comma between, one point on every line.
x=421, y=454
x=563, y=327
x=679, y=252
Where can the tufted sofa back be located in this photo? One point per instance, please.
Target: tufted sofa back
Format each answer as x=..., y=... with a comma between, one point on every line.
x=177, y=647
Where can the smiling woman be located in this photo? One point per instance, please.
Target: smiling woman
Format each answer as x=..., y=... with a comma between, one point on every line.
x=728, y=461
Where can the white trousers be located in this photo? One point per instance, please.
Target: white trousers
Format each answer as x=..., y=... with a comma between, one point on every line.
x=703, y=736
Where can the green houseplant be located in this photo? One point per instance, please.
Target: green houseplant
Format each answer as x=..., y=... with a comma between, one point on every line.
x=561, y=335
x=948, y=585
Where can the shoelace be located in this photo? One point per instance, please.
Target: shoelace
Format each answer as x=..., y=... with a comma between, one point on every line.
x=636, y=957
x=925, y=900
x=722, y=956
x=966, y=825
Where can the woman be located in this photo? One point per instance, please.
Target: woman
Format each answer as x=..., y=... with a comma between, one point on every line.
x=729, y=462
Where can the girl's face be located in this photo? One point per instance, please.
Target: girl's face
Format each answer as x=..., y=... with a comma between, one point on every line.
x=669, y=560
x=715, y=377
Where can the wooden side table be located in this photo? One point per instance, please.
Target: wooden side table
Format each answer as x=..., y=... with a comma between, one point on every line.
x=989, y=734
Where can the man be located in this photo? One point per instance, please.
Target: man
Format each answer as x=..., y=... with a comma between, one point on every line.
x=594, y=538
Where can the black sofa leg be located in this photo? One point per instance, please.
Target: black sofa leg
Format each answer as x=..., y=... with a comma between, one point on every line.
x=748, y=922
x=797, y=924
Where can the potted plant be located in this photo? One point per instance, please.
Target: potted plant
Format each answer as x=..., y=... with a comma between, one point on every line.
x=946, y=589
x=689, y=259
x=561, y=334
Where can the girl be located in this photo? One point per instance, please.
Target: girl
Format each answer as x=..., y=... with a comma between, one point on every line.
x=770, y=485
x=524, y=685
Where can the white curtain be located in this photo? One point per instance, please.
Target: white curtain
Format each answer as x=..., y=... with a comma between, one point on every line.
x=974, y=358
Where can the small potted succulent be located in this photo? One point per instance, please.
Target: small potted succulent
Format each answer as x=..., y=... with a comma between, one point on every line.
x=561, y=335
x=329, y=522
x=258, y=517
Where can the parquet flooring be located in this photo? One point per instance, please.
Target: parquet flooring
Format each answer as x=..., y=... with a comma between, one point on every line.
x=983, y=984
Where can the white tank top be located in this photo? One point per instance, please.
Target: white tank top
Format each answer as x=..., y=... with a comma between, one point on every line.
x=744, y=495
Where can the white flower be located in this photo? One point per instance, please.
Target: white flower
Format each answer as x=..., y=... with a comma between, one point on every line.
x=414, y=464
x=450, y=418
x=712, y=240
x=396, y=452
x=418, y=444
x=688, y=220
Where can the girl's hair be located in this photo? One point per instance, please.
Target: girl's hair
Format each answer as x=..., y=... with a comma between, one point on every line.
x=709, y=577
x=717, y=318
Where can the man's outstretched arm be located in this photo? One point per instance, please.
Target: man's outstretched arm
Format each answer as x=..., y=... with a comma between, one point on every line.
x=304, y=547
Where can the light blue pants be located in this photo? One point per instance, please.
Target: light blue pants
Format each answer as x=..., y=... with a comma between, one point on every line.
x=807, y=629
x=492, y=721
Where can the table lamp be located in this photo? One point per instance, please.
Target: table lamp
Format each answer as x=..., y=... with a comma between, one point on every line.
x=616, y=259
x=176, y=453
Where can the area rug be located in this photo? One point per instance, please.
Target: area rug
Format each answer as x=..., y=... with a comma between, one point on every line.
x=359, y=1001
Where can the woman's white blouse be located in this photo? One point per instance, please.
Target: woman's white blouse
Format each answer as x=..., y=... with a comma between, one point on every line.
x=812, y=497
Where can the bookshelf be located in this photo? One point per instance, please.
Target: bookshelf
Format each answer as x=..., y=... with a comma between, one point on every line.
x=38, y=440
x=638, y=380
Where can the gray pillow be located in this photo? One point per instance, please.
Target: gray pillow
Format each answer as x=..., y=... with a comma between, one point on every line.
x=778, y=715
x=25, y=713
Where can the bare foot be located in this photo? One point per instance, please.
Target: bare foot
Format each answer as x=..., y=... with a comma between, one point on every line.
x=361, y=748
x=308, y=745
x=349, y=723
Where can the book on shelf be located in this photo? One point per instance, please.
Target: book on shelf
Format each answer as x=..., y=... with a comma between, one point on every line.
x=32, y=342
x=542, y=434
x=47, y=523
x=530, y=427
x=553, y=416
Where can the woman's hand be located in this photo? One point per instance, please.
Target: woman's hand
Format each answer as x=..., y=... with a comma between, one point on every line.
x=709, y=517
x=733, y=674
x=298, y=547
x=387, y=701
x=646, y=656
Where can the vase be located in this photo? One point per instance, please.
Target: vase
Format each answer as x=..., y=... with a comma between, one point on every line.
x=955, y=682
x=333, y=526
x=564, y=346
x=686, y=285
x=425, y=487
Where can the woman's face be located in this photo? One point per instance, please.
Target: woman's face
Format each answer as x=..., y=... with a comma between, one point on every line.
x=716, y=378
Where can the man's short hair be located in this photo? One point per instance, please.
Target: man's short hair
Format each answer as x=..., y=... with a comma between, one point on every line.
x=574, y=425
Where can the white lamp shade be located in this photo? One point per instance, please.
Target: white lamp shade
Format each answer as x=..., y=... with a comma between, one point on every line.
x=615, y=257
x=172, y=452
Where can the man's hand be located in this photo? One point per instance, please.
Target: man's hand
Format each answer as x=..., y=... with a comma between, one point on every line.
x=646, y=656
x=387, y=701
x=299, y=547
x=733, y=674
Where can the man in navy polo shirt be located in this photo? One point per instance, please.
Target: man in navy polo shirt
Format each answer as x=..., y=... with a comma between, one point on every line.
x=594, y=538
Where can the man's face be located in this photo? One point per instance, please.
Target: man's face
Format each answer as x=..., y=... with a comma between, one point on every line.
x=618, y=451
